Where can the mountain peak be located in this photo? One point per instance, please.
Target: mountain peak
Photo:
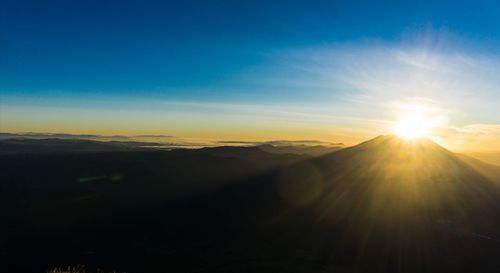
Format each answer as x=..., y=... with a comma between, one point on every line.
x=396, y=138
x=394, y=143
x=389, y=171
x=391, y=156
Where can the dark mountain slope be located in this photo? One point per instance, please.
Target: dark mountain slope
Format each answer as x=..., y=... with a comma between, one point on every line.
x=490, y=171
x=416, y=174
x=386, y=205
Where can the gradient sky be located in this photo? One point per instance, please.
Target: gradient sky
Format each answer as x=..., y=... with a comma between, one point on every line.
x=339, y=71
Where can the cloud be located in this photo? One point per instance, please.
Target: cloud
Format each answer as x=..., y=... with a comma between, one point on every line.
x=475, y=137
x=346, y=92
x=48, y=135
x=167, y=141
x=37, y=135
x=281, y=143
x=454, y=84
x=153, y=136
x=369, y=77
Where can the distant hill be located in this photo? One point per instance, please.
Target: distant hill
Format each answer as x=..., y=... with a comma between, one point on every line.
x=9, y=144
x=56, y=145
x=315, y=150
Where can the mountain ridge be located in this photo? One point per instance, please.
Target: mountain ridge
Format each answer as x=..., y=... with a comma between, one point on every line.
x=365, y=208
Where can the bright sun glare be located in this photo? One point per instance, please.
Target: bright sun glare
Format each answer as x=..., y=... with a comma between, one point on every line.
x=411, y=127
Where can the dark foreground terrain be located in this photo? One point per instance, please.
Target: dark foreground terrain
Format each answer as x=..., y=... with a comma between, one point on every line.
x=386, y=205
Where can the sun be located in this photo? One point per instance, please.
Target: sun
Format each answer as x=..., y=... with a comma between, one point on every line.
x=411, y=127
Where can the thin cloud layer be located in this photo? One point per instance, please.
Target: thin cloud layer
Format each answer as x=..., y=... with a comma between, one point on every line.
x=474, y=137
x=454, y=87
x=36, y=135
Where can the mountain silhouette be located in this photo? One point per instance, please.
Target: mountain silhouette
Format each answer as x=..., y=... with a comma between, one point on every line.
x=385, y=205
x=410, y=173
x=413, y=173
x=393, y=184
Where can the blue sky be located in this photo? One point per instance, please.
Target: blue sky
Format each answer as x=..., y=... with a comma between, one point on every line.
x=281, y=67
x=106, y=48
